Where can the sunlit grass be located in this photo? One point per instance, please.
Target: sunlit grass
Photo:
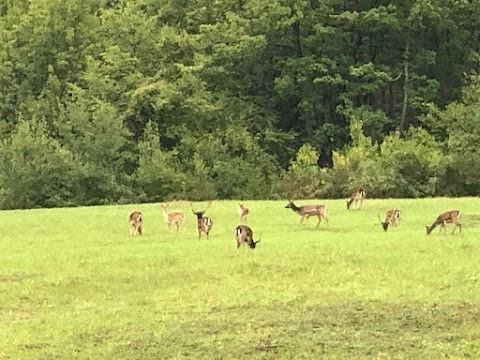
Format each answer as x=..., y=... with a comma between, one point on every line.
x=75, y=284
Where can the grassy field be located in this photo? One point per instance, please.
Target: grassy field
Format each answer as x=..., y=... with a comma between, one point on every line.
x=75, y=285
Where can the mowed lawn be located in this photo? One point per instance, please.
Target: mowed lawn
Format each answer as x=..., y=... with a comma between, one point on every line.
x=75, y=285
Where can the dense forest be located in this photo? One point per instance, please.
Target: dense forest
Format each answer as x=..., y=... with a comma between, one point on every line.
x=118, y=101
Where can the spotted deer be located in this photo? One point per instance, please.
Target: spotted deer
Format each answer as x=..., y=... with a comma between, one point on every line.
x=244, y=235
x=448, y=217
x=172, y=218
x=135, y=219
x=392, y=218
x=243, y=212
x=307, y=211
x=204, y=223
x=357, y=197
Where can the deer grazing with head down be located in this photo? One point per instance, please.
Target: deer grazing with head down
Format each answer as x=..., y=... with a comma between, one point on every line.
x=357, y=196
x=243, y=212
x=448, y=217
x=204, y=223
x=244, y=235
x=307, y=211
x=174, y=217
x=392, y=218
x=135, y=219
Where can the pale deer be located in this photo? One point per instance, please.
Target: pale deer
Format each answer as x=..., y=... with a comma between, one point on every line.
x=174, y=217
x=392, y=218
x=448, y=217
x=135, y=219
x=306, y=211
x=244, y=235
x=357, y=196
x=204, y=223
x=243, y=212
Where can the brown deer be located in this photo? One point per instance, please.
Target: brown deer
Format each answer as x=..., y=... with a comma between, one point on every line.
x=244, y=235
x=392, y=218
x=357, y=196
x=204, y=223
x=448, y=217
x=306, y=211
x=174, y=217
x=243, y=212
x=135, y=219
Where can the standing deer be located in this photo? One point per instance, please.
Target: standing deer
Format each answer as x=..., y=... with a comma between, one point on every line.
x=244, y=235
x=243, y=213
x=135, y=219
x=306, y=211
x=392, y=218
x=204, y=223
x=448, y=217
x=174, y=217
x=357, y=196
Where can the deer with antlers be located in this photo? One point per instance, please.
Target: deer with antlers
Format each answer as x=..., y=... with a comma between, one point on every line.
x=448, y=217
x=392, y=218
x=172, y=218
x=204, y=223
x=243, y=212
x=244, y=235
x=135, y=219
x=357, y=197
x=307, y=211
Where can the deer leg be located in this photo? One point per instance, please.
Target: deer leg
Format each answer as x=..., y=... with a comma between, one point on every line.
x=319, y=221
x=459, y=228
x=301, y=221
x=178, y=226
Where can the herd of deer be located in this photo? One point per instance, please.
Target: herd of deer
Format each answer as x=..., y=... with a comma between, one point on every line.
x=244, y=234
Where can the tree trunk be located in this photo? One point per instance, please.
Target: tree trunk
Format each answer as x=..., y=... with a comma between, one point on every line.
x=403, y=119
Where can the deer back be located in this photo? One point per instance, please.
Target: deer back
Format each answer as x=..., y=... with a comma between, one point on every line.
x=451, y=216
x=306, y=210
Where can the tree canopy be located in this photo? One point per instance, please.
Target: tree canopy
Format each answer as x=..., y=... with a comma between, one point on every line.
x=111, y=101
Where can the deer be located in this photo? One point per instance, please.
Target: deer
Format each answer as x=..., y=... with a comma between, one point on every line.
x=392, y=218
x=306, y=211
x=204, y=223
x=448, y=217
x=243, y=212
x=357, y=196
x=174, y=217
x=244, y=235
x=135, y=219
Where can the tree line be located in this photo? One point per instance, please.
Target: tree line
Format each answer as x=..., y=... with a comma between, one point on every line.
x=116, y=101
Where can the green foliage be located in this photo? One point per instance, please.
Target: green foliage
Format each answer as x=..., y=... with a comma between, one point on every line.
x=304, y=179
x=158, y=174
x=36, y=170
x=233, y=90
x=399, y=167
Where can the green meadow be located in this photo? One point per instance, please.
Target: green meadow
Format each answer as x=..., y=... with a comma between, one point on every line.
x=75, y=285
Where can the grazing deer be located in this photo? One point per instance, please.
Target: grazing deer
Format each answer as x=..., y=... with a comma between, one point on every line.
x=136, y=221
x=306, y=211
x=174, y=217
x=244, y=235
x=243, y=213
x=357, y=196
x=392, y=218
x=448, y=217
x=204, y=223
